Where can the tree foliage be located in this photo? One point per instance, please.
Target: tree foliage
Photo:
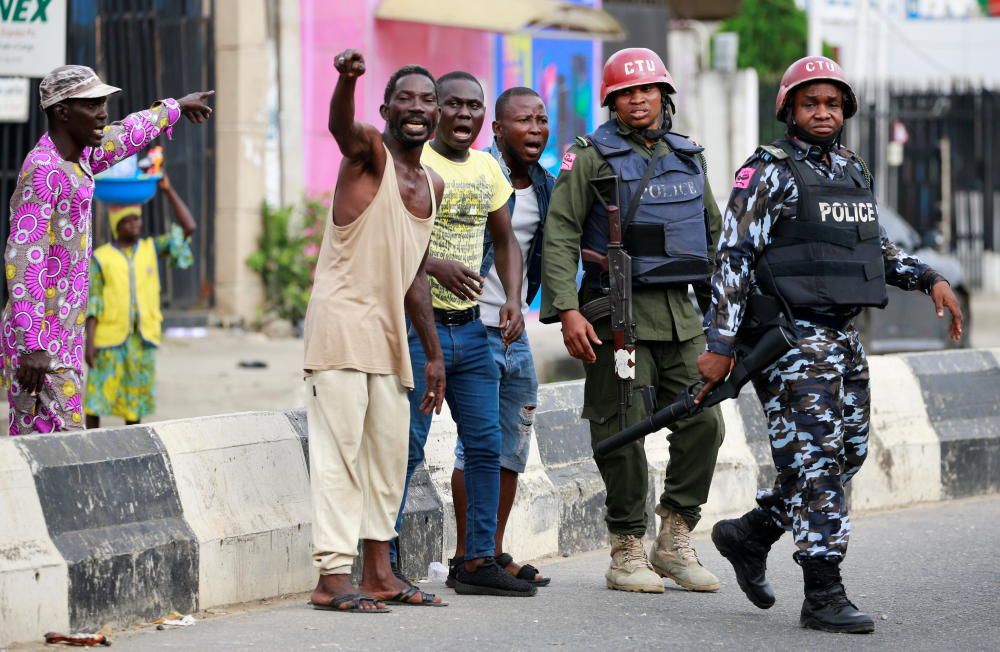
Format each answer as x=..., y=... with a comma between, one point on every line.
x=773, y=34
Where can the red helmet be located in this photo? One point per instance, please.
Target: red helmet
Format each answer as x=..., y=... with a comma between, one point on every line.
x=813, y=69
x=633, y=67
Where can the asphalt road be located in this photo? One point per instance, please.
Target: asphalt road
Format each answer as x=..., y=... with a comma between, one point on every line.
x=929, y=575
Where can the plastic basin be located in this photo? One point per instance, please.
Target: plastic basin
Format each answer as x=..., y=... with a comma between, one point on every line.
x=126, y=191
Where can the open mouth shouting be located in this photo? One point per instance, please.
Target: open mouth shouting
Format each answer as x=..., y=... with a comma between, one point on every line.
x=532, y=149
x=462, y=133
x=415, y=127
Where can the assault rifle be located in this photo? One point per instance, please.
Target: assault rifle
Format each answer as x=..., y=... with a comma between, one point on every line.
x=618, y=303
x=775, y=341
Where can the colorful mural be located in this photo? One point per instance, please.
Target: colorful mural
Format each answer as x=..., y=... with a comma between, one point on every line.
x=329, y=27
x=561, y=70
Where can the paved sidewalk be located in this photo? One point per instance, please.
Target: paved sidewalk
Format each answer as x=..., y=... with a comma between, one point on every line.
x=928, y=575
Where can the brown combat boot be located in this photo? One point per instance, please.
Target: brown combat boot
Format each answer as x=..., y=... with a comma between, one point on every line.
x=673, y=556
x=630, y=569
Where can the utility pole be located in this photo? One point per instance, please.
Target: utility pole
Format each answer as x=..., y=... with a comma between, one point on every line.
x=814, y=42
x=857, y=55
x=882, y=102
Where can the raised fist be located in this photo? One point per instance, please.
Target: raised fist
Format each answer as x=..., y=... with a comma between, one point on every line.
x=350, y=63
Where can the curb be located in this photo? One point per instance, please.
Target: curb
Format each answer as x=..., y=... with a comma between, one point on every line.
x=33, y=574
x=110, y=504
x=244, y=489
x=563, y=446
x=124, y=525
x=960, y=390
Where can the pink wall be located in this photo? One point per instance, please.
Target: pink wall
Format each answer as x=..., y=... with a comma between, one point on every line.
x=329, y=27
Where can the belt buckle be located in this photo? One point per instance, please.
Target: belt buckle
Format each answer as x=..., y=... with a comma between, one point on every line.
x=456, y=317
x=453, y=318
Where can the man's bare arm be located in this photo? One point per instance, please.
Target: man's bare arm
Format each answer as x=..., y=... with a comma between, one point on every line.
x=510, y=269
x=417, y=303
x=356, y=140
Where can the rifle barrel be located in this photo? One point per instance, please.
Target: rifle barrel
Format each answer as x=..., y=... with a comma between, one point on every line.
x=681, y=408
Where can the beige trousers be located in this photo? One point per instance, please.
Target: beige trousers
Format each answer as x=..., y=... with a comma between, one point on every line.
x=358, y=445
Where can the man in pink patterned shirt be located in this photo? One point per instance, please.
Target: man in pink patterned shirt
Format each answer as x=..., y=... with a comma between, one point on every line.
x=50, y=243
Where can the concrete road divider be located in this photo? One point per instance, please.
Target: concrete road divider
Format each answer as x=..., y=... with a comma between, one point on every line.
x=243, y=485
x=33, y=576
x=961, y=390
x=563, y=440
x=110, y=504
x=904, y=452
x=124, y=525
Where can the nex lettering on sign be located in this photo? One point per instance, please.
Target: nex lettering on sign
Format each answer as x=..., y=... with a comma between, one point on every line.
x=16, y=11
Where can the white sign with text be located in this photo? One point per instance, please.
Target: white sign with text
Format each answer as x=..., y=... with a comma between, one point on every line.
x=14, y=95
x=32, y=37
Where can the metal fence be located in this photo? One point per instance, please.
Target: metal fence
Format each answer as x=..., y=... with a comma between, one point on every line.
x=151, y=49
x=947, y=184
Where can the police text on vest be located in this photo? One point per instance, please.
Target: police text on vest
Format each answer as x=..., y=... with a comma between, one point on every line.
x=847, y=212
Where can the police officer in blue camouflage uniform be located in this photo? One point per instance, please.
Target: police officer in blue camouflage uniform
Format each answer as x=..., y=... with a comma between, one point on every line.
x=802, y=227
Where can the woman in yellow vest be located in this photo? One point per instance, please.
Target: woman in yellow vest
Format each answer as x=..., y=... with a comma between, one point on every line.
x=123, y=314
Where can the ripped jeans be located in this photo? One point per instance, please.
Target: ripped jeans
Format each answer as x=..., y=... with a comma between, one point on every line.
x=518, y=399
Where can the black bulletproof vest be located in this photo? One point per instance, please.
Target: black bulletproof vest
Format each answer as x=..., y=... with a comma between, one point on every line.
x=830, y=255
x=668, y=236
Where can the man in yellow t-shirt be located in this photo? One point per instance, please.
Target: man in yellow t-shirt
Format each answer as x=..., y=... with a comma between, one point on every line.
x=475, y=198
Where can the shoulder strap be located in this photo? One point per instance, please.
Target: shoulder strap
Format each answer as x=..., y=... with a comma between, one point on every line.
x=774, y=151
x=704, y=163
x=681, y=143
x=866, y=173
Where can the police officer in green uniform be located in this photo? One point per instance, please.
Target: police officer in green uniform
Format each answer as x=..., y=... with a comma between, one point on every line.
x=671, y=237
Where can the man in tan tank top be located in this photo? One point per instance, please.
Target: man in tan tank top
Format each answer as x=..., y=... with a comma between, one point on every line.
x=370, y=276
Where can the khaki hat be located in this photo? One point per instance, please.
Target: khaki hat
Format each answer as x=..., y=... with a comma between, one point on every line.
x=72, y=82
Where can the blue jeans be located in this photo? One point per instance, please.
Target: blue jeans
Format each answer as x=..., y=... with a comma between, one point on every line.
x=472, y=393
x=518, y=399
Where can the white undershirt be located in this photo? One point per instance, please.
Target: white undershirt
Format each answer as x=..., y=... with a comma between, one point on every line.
x=524, y=222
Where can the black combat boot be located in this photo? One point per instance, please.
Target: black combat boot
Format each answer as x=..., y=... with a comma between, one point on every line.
x=826, y=606
x=745, y=542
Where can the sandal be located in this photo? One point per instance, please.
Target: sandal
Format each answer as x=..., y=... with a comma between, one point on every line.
x=353, y=602
x=426, y=599
x=397, y=572
x=528, y=573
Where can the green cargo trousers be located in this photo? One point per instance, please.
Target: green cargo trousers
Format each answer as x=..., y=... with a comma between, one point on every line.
x=670, y=367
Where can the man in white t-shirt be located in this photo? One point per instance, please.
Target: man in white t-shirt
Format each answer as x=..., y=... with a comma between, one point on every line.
x=521, y=132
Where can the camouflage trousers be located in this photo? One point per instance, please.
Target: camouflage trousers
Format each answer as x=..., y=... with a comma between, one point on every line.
x=816, y=400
